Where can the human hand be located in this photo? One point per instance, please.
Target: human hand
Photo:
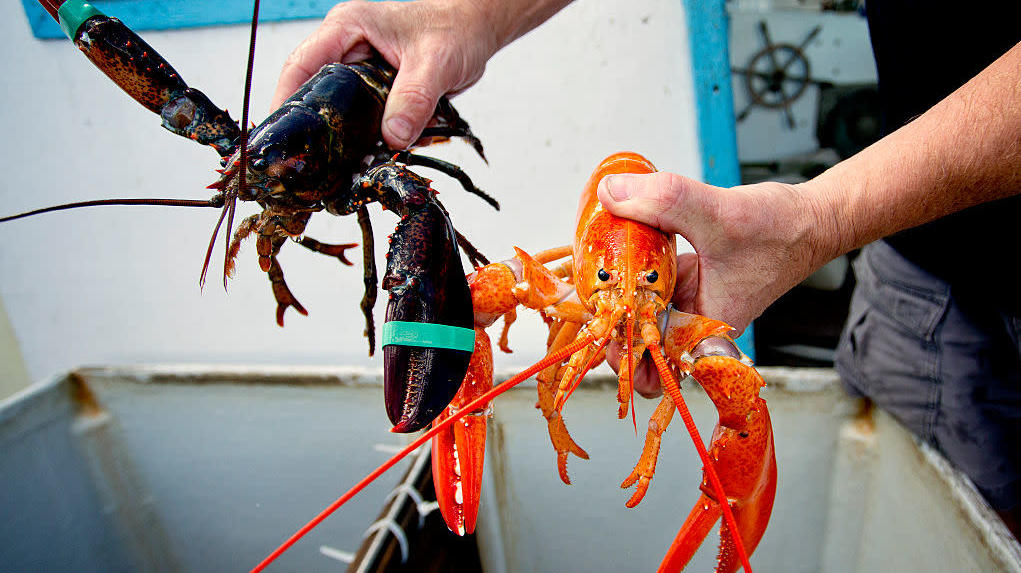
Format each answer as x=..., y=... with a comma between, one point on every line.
x=438, y=47
x=752, y=244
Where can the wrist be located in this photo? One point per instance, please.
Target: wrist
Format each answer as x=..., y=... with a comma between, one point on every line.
x=833, y=230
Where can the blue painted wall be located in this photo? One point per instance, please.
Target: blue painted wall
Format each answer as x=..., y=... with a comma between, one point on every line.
x=167, y=14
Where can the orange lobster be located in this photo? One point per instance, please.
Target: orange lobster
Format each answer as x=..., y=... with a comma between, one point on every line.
x=615, y=287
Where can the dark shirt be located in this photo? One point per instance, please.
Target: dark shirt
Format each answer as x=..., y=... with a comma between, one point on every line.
x=924, y=50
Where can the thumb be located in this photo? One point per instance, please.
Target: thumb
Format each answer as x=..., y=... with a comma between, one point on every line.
x=670, y=202
x=412, y=101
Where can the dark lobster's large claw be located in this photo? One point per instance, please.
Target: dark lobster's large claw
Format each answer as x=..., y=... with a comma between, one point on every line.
x=427, y=288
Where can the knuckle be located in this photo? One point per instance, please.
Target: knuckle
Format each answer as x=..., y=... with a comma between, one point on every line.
x=415, y=97
x=667, y=197
x=671, y=187
x=297, y=61
x=344, y=10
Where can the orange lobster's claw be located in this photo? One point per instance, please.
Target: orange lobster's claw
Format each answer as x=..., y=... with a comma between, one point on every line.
x=696, y=528
x=744, y=458
x=459, y=451
x=685, y=330
x=751, y=512
x=491, y=287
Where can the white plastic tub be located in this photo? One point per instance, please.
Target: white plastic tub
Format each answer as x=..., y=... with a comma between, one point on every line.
x=208, y=469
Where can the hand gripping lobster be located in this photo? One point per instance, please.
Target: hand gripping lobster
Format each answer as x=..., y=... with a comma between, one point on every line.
x=322, y=150
x=612, y=285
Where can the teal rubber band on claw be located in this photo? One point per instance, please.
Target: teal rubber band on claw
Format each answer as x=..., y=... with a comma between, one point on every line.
x=429, y=335
x=74, y=13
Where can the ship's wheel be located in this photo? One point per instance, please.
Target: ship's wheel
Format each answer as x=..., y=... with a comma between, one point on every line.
x=777, y=75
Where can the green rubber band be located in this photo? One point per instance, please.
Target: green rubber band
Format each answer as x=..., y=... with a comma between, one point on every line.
x=429, y=335
x=74, y=13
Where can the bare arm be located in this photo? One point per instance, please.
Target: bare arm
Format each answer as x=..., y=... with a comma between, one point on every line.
x=438, y=46
x=755, y=242
x=964, y=151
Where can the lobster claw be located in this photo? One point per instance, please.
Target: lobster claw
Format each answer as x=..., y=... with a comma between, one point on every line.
x=151, y=81
x=459, y=451
x=422, y=369
x=752, y=499
x=741, y=447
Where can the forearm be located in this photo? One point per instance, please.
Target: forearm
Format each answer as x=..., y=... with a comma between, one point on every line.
x=964, y=151
x=511, y=19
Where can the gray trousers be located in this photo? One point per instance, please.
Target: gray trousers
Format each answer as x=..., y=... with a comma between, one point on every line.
x=947, y=366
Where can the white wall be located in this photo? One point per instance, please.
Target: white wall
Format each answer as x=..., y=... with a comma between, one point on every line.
x=119, y=285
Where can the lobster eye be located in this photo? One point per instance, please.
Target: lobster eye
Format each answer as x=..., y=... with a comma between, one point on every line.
x=603, y=275
x=652, y=277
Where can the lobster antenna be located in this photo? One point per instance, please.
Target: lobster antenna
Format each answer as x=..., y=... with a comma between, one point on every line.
x=209, y=249
x=214, y=202
x=231, y=204
x=465, y=410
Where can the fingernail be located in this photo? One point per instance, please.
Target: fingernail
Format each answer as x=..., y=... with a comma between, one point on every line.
x=617, y=187
x=400, y=128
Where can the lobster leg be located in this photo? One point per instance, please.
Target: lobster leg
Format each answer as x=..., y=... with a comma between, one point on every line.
x=448, y=169
x=646, y=466
x=273, y=231
x=547, y=383
x=447, y=117
x=459, y=450
x=271, y=238
x=498, y=288
x=368, y=276
x=475, y=257
x=335, y=251
x=535, y=286
x=281, y=292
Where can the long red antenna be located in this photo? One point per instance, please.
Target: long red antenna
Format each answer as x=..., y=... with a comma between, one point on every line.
x=674, y=391
x=554, y=358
